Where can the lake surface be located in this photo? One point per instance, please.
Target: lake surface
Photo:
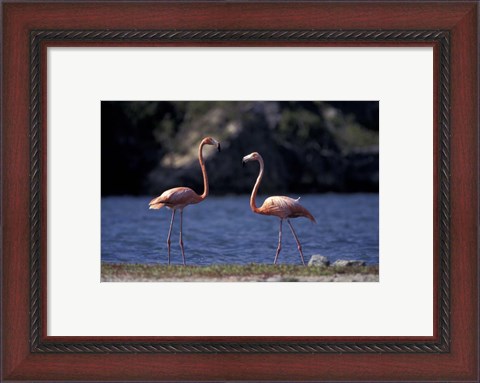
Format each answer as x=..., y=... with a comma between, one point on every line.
x=225, y=230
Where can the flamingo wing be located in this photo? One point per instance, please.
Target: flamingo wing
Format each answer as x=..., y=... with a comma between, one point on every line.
x=176, y=198
x=285, y=207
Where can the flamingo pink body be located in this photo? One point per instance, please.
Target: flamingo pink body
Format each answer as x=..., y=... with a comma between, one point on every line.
x=180, y=197
x=284, y=207
x=176, y=198
x=279, y=206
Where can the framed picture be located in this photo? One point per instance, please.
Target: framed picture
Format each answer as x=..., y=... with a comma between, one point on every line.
x=118, y=116
x=304, y=147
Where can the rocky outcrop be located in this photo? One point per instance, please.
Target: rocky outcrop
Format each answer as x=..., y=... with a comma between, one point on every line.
x=348, y=262
x=319, y=261
x=148, y=147
x=322, y=261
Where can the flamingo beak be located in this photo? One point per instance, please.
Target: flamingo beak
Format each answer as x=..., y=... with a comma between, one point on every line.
x=243, y=163
x=219, y=147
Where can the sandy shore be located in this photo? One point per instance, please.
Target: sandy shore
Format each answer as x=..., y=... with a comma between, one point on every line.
x=279, y=278
x=236, y=273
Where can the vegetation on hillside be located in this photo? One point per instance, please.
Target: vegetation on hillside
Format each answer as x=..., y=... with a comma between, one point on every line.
x=313, y=146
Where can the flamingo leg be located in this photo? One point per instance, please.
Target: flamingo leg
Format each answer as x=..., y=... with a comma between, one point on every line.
x=279, y=242
x=169, y=235
x=298, y=242
x=181, y=238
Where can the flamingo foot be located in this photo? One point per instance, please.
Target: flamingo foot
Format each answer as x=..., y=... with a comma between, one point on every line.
x=183, y=252
x=299, y=246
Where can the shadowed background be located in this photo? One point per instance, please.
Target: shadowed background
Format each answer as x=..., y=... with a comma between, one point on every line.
x=308, y=147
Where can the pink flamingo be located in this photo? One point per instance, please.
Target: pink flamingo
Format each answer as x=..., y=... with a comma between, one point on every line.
x=179, y=197
x=279, y=206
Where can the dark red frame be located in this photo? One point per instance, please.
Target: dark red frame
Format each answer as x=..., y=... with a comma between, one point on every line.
x=460, y=363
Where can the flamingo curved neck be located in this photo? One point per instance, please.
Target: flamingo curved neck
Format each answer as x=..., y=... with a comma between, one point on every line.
x=204, y=171
x=253, y=205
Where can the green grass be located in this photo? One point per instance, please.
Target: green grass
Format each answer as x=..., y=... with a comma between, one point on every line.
x=158, y=272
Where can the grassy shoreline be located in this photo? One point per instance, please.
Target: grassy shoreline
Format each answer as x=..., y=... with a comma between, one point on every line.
x=112, y=272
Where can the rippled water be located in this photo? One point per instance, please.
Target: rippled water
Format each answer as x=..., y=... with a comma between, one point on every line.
x=225, y=230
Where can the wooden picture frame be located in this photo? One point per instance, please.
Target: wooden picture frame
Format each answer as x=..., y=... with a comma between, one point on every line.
x=30, y=27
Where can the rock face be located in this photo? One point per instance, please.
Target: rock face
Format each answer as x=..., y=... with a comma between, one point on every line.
x=308, y=147
x=347, y=262
x=318, y=260
x=322, y=261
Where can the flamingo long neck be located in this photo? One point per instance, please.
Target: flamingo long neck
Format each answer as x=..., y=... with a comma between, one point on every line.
x=253, y=205
x=204, y=171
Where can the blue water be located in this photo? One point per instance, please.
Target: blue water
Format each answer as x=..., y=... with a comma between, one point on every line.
x=225, y=230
